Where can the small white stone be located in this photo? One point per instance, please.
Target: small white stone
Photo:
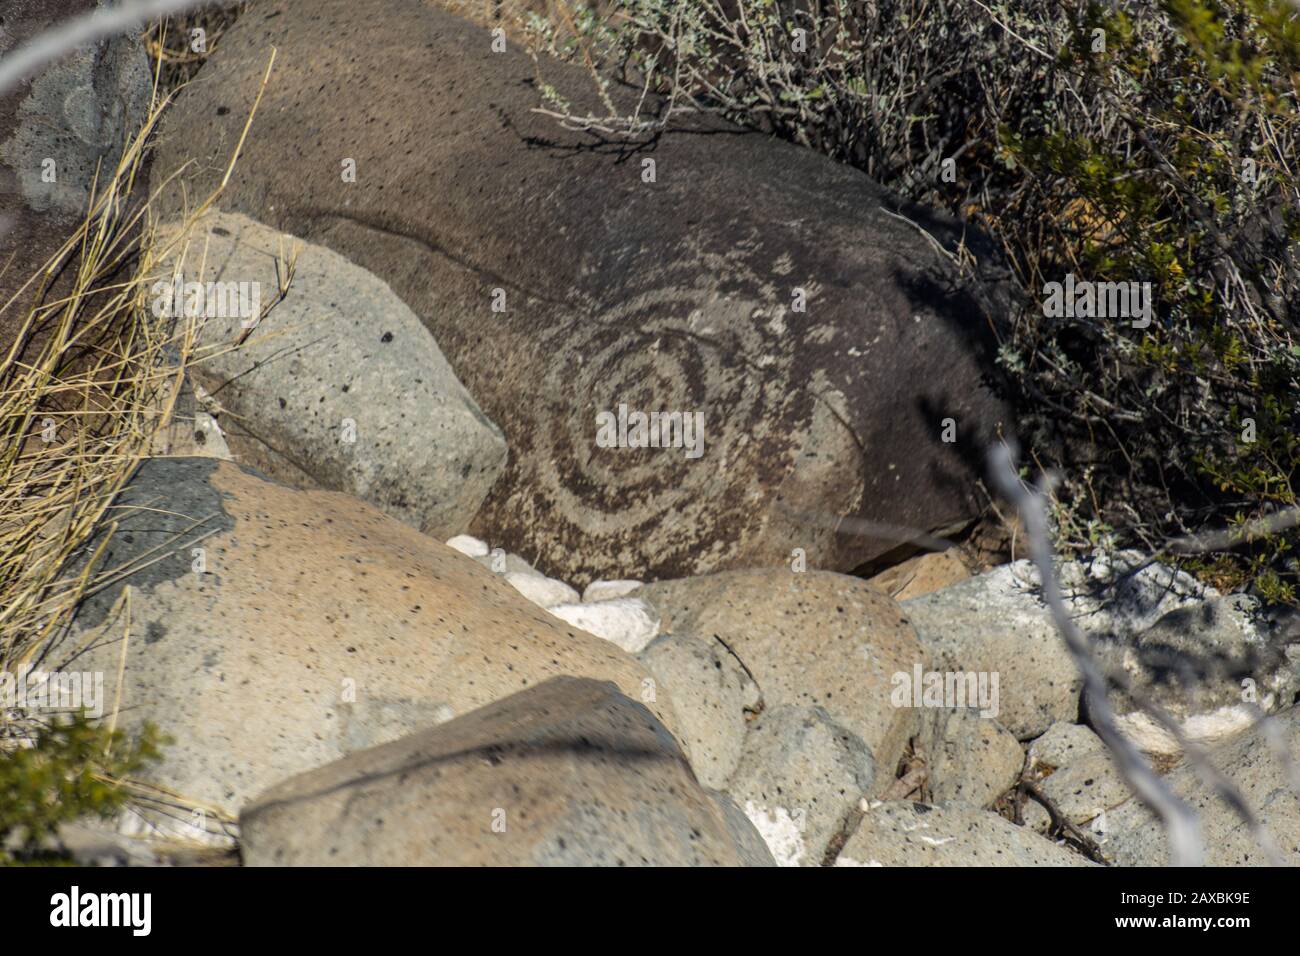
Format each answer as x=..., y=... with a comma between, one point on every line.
x=608, y=590
x=627, y=622
x=214, y=439
x=468, y=545
x=546, y=592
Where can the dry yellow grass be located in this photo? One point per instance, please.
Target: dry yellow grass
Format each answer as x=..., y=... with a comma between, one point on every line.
x=81, y=403
x=85, y=389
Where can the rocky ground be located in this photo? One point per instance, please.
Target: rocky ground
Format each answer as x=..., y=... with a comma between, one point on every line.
x=333, y=676
x=396, y=604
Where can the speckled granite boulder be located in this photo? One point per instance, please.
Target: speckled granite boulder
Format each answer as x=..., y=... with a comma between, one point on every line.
x=282, y=629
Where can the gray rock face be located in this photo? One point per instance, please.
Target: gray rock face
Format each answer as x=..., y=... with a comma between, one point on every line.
x=278, y=630
x=1156, y=625
x=971, y=759
x=1063, y=744
x=568, y=773
x=799, y=780
x=1082, y=791
x=751, y=283
x=811, y=639
x=996, y=624
x=710, y=692
x=1208, y=665
x=54, y=130
x=1134, y=837
x=917, y=834
x=339, y=381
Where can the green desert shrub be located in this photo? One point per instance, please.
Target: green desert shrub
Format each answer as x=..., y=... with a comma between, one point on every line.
x=1193, y=187
x=68, y=769
x=1149, y=141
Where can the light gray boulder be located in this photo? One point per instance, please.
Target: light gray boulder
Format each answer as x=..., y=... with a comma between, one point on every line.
x=273, y=630
x=1135, y=837
x=567, y=773
x=970, y=759
x=810, y=639
x=1122, y=592
x=998, y=623
x=799, y=780
x=1209, y=665
x=1083, y=791
x=339, y=386
x=1064, y=743
x=542, y=591
x=710, y=692
x=628, y=622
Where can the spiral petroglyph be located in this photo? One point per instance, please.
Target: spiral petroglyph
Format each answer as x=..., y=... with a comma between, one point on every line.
x=654, y=355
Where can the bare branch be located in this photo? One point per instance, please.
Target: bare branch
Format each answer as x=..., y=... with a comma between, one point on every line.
x=1185, y=845
x=1231, y=537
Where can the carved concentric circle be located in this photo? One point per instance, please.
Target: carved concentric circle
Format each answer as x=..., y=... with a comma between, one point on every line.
x=724, y=359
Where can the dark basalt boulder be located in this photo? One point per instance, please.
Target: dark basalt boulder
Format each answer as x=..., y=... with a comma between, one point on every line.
x=672, y=295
